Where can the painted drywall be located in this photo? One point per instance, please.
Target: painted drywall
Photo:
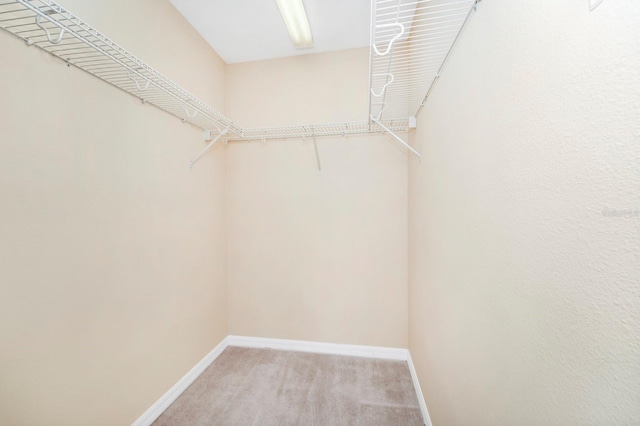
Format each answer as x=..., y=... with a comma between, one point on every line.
x=314, y=257
x=318, y=88
x=112, y=253
x=524, y=221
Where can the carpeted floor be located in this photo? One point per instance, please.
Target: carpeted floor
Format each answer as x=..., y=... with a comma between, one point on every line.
x=267, y=387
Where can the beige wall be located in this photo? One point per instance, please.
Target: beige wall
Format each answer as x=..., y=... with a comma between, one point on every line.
x=319, y=88
x=112, y=253
x=314, y=257
x=523, y=293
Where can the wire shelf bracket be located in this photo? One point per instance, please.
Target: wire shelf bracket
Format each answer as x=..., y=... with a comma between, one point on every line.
x=396, y=137
x=315, y=147
x=206, y=148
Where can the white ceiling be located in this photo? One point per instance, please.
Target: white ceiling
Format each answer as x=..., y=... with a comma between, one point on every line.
x=250, y=30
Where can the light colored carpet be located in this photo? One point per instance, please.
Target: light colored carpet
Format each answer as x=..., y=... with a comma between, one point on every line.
x=267, y=387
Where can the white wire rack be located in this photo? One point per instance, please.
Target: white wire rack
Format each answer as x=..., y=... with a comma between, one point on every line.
x=410, y=41
x=319, y=130
x=47, y=25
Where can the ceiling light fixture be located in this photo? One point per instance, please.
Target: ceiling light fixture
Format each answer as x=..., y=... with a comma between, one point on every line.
x=295, y=18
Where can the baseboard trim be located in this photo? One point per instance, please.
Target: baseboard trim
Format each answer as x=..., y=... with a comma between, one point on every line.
x=398, y=354
x=319, y=347
x=176, y=390
x=416, y=385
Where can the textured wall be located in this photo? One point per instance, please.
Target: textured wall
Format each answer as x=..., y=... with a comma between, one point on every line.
x=315, y=257
x=112, y=252
x=524, y=220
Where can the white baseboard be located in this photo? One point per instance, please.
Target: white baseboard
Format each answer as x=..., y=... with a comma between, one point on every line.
x=320, y=348
x=172, y=394
x=416, y=385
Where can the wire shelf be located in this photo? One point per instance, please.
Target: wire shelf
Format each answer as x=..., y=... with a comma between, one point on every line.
x=320, y=130
x=48, y=26
x=410, y=41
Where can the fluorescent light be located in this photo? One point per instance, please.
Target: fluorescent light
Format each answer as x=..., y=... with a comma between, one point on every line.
x=295, y=18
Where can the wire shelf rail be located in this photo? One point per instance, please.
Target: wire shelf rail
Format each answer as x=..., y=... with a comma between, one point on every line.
x=410, y=42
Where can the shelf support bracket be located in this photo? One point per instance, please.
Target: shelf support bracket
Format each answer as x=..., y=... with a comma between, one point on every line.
x=393, y=40
x=315, y=146
x=593, y=4
x=389, y=81
x=383, y=109
x=195, y=160
x=141, y=88
x=46, y=31
x=396, y=137
x=192, y=115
